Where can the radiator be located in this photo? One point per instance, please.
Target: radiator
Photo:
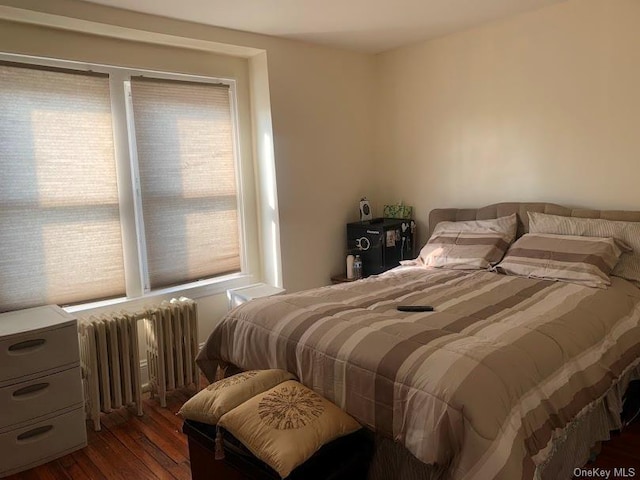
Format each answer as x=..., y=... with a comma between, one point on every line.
x=172, y=346
x=110, y=359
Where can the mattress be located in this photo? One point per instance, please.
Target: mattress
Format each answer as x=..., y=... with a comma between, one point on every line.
x=484, y=387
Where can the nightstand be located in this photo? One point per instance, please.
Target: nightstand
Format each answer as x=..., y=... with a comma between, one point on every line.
x=341, y=278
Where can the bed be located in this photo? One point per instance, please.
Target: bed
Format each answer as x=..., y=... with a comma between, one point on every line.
x=509, y=378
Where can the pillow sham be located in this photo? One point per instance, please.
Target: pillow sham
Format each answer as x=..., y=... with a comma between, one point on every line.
x=469, y=245
x=628, y=232
x=286, y=425
x=208, y=405
x=566, y=258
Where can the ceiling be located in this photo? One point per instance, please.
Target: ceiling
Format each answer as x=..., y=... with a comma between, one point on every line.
x=363, y=25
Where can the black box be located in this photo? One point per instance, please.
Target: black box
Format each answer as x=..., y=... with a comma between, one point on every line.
x=381, y=243
x=346, y=458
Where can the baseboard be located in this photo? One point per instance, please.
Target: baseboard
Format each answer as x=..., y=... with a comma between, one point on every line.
x=144, y=372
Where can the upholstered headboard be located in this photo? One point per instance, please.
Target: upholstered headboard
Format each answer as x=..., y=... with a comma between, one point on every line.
x=503, y=209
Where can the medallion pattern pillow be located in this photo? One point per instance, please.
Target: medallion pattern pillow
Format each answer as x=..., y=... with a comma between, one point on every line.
x=286, y=425
x=208, y=405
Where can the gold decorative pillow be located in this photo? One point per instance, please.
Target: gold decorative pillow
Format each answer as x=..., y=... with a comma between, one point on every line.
x=208, y=405
x=286, y=425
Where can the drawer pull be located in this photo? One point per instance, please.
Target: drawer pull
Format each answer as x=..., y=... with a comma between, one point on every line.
x=31, y=389
x=36, y=432
x=27, y=345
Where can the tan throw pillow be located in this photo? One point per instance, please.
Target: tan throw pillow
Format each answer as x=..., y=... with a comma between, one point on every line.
x=286, y=425
x=568, y=258
x=628, y=232
x=469, y=245
x=208, y=405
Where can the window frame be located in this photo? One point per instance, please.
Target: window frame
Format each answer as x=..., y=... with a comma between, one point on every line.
x=128, y=181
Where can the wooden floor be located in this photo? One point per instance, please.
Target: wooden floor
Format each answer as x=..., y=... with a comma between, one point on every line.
x=153, y=447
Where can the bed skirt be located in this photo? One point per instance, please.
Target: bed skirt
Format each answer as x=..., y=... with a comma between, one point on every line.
x=572, y=447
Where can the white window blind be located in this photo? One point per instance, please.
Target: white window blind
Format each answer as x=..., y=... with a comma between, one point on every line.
x=60, y=236
x=185, y=148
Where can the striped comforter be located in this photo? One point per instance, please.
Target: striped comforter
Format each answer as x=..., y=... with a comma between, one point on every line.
x=483, y=385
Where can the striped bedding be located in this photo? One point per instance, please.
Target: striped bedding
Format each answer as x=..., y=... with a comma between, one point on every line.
x=628, y=232
x=468, y=245
x=584, y=260
x=483, y=385
x=464, y=251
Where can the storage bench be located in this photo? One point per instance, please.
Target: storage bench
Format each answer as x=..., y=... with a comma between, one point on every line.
x=346, y=458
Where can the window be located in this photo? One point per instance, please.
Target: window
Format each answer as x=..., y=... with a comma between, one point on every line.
x=65, y=209
x=60, y=238
x=184, y=140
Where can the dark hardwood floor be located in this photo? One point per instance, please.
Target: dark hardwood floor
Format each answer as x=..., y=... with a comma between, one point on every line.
x=153, y=447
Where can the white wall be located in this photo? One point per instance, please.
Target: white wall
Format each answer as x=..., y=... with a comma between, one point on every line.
x=322, y=124
x=544, y=106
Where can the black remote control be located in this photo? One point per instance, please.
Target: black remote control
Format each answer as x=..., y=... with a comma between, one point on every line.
x=415, y=308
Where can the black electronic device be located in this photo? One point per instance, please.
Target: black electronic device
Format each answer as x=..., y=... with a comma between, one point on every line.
x=414, y=308
x=381, y=243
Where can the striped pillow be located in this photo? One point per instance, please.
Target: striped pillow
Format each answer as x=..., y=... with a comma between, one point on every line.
x=469, y=245
x=628, y=232
x=566, y=258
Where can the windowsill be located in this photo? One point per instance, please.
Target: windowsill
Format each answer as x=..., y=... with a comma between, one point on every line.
x=194, y=290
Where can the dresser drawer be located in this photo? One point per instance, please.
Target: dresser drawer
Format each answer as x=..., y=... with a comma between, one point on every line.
x=38, y=397
x=27, y=446
x=34, y=352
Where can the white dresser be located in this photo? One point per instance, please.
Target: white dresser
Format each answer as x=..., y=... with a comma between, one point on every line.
x=41, y=404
